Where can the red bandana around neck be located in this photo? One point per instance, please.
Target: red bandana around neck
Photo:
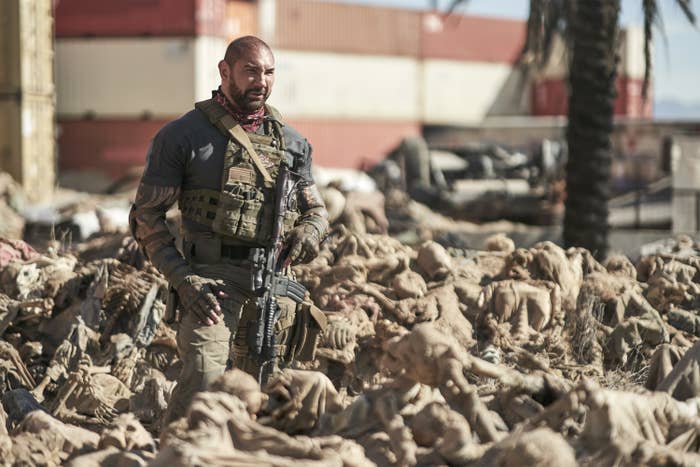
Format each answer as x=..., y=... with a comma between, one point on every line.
x=249, y=121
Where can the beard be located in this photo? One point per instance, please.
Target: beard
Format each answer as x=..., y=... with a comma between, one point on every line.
x=244, y=99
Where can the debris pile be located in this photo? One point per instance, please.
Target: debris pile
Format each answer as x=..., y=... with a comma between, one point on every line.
x=500, y=357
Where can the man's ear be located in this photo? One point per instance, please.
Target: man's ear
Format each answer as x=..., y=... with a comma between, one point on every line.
x=224, y=70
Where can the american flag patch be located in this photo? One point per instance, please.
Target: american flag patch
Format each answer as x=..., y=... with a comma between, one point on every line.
x=241, y=174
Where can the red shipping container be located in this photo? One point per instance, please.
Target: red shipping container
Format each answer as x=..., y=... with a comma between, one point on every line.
x=472, y=38
x=355, y=144
x=346, y=28
x=551, y=97
x=124, y=18
x=109, y=146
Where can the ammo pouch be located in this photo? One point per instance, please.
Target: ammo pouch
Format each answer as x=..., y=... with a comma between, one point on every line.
x=298, y=330
x=241, y=211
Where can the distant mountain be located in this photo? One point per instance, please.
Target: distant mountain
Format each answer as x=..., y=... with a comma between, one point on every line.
x=673, y=108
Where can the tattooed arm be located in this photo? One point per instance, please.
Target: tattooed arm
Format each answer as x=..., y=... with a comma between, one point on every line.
x=148, y=226
x=147, y=223
x=313, y=209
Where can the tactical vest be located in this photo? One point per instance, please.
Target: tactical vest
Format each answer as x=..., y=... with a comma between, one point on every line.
x=242, y=211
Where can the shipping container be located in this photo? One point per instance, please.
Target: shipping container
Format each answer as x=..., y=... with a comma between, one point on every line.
x=241, y=19
x=632, y=52
x=26, y=47
x=551, y=97
x=135, y=77
x=357, y=144
x=464, y=93
x=557, y=66
x=27, y=143
x=316, y=85
x=130, y=18
x=471, y=38
x=112, y=147
x=348, y=28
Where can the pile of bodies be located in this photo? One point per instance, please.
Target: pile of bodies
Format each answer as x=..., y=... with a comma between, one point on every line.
x=500, y=357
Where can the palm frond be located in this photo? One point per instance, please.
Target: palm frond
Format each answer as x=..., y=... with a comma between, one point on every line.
x=687, y=10
x=454, y=5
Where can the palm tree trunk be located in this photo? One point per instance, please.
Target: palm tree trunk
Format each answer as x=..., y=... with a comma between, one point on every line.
x=591, y=104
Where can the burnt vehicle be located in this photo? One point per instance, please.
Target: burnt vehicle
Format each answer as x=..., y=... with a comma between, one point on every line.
x=480, y=182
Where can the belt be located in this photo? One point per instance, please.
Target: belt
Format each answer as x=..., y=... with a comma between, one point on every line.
x=211, y=250
x=235, y=251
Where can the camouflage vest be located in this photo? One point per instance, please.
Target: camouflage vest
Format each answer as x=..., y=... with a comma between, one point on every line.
x=242, y=211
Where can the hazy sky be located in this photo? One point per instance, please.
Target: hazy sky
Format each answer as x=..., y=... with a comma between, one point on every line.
x=677, y=65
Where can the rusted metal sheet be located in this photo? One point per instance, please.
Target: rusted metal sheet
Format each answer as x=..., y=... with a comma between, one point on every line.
x=112, y=146
x=26, y=47
x=27, y=143
x=125, y=18
x=354, y=144
x=471, y=38
x=133, y=77
x=339, y=27
x=352, y=86
x=551, y=97
x=241, y=19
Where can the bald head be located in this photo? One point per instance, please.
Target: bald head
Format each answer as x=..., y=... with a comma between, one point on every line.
x=243, y=46
x=247, y=73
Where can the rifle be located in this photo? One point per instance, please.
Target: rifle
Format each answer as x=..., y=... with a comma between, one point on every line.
x=268, y=283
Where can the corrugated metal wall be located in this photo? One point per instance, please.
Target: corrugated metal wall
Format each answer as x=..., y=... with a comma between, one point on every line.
x=461, y=92
x=241, y=19
x=345, y=73
x=471, y=38
x=109, y=18
x=315, y=84
x=135, y=76
x=111, y=145
x=353, y=143
x=340, y=27
x=551, y=97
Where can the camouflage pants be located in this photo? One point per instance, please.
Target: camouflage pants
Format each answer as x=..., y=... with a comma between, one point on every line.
x=206, y=350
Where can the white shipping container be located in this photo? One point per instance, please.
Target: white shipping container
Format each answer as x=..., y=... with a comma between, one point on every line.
x=319, y=85
x=130, y=77
x=632, y=52
x=466, y=92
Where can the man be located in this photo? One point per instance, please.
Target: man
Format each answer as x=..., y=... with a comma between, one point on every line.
x=220, y=163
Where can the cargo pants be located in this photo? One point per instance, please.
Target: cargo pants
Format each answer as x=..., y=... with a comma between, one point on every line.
x=205, y=350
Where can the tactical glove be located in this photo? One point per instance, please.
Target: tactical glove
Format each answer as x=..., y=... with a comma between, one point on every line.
x=197, y=296
x=302, y=244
